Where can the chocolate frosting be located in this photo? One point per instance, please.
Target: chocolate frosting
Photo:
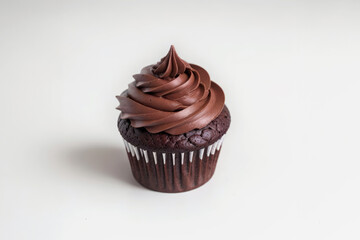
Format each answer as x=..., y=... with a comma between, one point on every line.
x=171, y=96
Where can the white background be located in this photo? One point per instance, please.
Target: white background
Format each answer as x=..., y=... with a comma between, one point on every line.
x=289, y=167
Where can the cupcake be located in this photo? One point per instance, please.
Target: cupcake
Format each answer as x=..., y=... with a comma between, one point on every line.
x=173, y=121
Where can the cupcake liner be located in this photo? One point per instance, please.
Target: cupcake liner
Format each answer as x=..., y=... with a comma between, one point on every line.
x=173, y=172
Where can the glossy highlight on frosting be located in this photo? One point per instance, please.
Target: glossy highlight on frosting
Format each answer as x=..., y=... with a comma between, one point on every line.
x=171, y=96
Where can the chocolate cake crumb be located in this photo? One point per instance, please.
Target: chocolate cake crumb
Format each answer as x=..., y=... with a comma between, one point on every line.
x=192, y=140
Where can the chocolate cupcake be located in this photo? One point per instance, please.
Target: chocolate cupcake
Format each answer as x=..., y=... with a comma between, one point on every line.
x=173, y=121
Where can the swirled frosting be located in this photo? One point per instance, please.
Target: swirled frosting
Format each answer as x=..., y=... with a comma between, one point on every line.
x=171, y=96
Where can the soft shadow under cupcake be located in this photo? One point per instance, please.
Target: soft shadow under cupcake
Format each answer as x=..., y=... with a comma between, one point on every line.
x=104, y=160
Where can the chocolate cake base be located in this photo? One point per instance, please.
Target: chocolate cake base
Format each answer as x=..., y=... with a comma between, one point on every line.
x=173, y=172
x=174, y=163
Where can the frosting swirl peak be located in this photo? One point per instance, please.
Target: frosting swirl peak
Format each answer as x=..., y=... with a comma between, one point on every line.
x=170, y=66
x=171, y=96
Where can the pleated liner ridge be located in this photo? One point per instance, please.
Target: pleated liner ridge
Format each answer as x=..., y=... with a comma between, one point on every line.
x=173, y=172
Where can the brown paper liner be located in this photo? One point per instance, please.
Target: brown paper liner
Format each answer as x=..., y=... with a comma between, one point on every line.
x=173, y=172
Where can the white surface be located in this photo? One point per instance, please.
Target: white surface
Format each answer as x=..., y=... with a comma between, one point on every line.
x=289, y=168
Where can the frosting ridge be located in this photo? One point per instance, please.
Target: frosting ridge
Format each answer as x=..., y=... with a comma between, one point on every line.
x=171, y=96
